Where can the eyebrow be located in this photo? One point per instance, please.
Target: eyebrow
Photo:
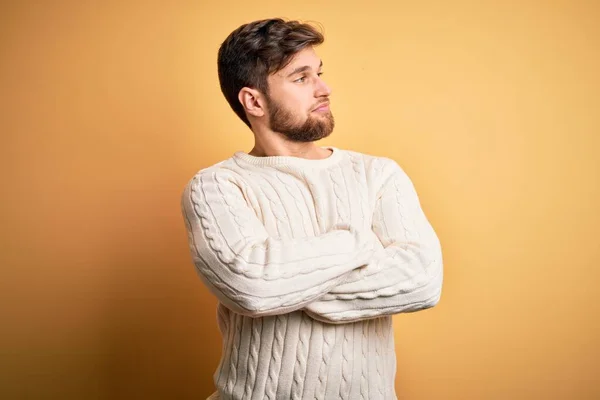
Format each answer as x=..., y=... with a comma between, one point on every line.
x=302, y=69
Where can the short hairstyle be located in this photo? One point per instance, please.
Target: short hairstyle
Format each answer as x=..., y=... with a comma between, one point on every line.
x=257, y=49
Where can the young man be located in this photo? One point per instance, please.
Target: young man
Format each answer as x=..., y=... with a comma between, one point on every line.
x=309, y=249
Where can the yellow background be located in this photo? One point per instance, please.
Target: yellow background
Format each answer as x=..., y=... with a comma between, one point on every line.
x=108, y=109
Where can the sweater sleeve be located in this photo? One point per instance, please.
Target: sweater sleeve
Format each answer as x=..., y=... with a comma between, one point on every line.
x=251, y=272
x=405, y=275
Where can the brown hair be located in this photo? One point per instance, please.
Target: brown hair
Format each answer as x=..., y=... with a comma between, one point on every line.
x=255, y=50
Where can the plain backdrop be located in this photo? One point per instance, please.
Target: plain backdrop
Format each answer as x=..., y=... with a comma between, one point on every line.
x=109, y=108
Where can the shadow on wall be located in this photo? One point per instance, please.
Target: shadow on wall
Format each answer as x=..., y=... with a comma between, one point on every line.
x=161, y=339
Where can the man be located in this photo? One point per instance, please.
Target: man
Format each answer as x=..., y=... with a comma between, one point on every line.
x=309, y=249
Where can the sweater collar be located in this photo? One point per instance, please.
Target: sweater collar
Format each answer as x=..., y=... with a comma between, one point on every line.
x=300, y=162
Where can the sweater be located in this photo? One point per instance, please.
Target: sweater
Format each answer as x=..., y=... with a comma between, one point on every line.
x=309, y=259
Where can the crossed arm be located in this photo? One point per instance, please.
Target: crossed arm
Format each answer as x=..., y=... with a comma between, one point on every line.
x=341, y=276
x=405, y=275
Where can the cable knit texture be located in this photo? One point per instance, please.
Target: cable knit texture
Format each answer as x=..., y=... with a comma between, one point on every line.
x=309, y=259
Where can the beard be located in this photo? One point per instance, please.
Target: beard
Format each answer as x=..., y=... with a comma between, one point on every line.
x=314, y=128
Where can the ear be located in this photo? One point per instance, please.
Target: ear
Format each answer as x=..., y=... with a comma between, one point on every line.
x=252, y=101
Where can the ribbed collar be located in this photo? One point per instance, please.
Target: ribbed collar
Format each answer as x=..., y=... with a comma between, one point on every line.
x=291, y=160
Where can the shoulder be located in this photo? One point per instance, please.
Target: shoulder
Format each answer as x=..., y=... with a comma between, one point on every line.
x=219, y=176
x=227, y=168
x=373, y=161
x=378, y=169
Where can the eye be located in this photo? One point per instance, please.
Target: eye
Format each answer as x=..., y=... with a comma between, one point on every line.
x=320, y=73
x=301, y=79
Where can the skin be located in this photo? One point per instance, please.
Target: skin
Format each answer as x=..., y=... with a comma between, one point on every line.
x=285, y=121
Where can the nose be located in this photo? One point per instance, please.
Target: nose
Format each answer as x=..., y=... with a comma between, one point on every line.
x=322, y=89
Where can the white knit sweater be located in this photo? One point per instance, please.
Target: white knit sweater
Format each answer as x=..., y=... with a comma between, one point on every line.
x=309, y=259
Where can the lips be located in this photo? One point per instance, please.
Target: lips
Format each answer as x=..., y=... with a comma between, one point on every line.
x=322, y=107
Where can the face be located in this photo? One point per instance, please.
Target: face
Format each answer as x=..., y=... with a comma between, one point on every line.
x=298, y=100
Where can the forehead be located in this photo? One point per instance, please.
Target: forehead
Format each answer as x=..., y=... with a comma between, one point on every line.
x=305, y=57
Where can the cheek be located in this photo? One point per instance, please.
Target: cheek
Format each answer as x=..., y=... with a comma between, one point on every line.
x=298, y=98
x=306, y=105
x=297, y=106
